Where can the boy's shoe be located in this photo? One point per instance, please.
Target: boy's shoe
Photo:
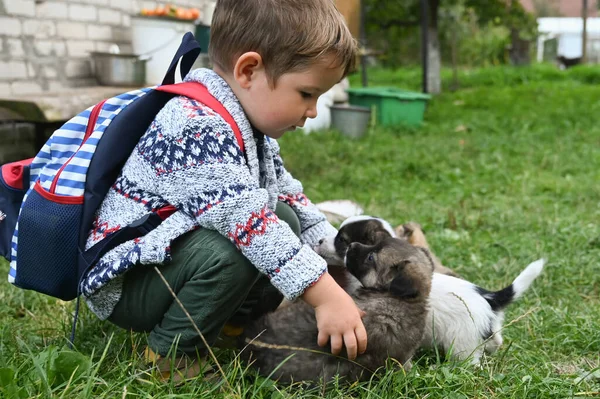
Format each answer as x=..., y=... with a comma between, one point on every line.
x=227, y=339
x=179, y=368
x=229, y=330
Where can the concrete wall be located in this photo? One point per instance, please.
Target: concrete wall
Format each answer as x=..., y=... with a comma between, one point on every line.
x=45, y=44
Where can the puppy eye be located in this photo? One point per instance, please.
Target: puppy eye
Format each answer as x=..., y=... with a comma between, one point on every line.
x=371, y=257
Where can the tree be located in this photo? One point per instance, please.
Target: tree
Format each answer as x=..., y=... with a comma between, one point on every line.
x=510, y=13
x=384, y=15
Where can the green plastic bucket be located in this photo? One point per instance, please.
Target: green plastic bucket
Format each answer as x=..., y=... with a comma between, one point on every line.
x=393, y=106
x=203, y=37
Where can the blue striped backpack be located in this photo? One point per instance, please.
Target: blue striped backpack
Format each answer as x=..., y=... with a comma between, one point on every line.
x=48, y=203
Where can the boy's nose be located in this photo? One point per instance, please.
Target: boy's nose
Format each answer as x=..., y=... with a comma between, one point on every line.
x=311, y=112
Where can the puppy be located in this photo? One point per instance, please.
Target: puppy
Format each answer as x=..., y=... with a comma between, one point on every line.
x=396, y=280
x=464, y=319
x=413, y=233
x=370, y=230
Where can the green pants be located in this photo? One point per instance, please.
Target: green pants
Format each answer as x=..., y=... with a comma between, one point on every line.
x=212, y=279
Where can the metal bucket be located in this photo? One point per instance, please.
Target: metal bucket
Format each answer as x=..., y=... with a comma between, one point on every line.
x=351, y=120
x=119, y=69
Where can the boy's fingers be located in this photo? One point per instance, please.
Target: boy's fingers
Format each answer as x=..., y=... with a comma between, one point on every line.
x=336, y=344
x=362, y=313
x=351, y=347
x=322, y=339
x=361, y=338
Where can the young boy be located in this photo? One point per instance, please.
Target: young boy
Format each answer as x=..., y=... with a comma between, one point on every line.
x=243, y=231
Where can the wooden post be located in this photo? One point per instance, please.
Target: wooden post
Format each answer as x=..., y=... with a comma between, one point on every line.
x=454, y=44
x=425, y=42
x=584, y=14
x=363, y=44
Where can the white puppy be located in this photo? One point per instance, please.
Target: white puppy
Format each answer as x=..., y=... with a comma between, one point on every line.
x=465, y=320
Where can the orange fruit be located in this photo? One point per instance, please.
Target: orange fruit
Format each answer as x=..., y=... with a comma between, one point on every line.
x=180, y=13
x=195, y=13
x=160, y=11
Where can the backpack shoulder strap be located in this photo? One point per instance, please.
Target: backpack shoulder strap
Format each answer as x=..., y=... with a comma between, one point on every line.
x=97, y=187
x=199, y=92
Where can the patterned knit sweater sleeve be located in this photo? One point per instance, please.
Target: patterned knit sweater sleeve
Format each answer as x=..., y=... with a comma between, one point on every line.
x=201, y=170
x=313, y=223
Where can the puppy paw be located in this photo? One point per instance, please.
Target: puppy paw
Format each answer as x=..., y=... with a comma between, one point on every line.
x=406, y=230
x=413, y=233
x=399, y=231
x=411, y=227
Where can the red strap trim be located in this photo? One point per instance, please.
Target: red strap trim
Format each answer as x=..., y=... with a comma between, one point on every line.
x=88, y=132
x=12, y=173
x=166, y=211
x=199, y=92
x=56, y=198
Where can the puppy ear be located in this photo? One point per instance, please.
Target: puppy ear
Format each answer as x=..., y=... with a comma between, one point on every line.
x=375, y=232
x=404, y=287
x=427, y=254
x=381, y=235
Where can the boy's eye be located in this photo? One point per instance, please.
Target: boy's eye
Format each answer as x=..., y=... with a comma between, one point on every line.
x=305, y=94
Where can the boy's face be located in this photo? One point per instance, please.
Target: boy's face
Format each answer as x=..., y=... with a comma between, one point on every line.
x=274, y=111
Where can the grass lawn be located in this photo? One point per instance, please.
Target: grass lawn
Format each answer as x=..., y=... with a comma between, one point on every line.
x=501, y=174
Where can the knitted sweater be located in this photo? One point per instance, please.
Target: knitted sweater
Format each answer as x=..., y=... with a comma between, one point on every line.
x=189, y=158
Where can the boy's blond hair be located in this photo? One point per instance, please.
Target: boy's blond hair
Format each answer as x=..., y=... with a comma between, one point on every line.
x=290, y=35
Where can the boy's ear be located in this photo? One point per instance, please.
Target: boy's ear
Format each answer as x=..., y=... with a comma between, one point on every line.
x=246, y=68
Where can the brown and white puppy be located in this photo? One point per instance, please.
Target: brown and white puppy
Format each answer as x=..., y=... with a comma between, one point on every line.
x=465, y=320
x=370, y=230
x=396, y=279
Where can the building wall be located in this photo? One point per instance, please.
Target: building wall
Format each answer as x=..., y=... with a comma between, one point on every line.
x=45, y=44
x=564, y=8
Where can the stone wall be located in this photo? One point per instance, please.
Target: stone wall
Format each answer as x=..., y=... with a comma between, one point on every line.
x=45, y=44
x=17, y=141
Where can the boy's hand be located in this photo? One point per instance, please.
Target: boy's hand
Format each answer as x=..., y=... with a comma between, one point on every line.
x=338, y=317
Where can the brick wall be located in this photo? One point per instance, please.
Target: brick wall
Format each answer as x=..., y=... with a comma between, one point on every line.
x=45, y=44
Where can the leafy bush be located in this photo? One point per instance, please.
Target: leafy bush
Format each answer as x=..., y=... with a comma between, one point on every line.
x=589, y=74
x=480, y=30
x=497, y=76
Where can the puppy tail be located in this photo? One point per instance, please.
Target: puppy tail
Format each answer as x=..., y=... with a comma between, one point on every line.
x=524, y=280
x=500, y=299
